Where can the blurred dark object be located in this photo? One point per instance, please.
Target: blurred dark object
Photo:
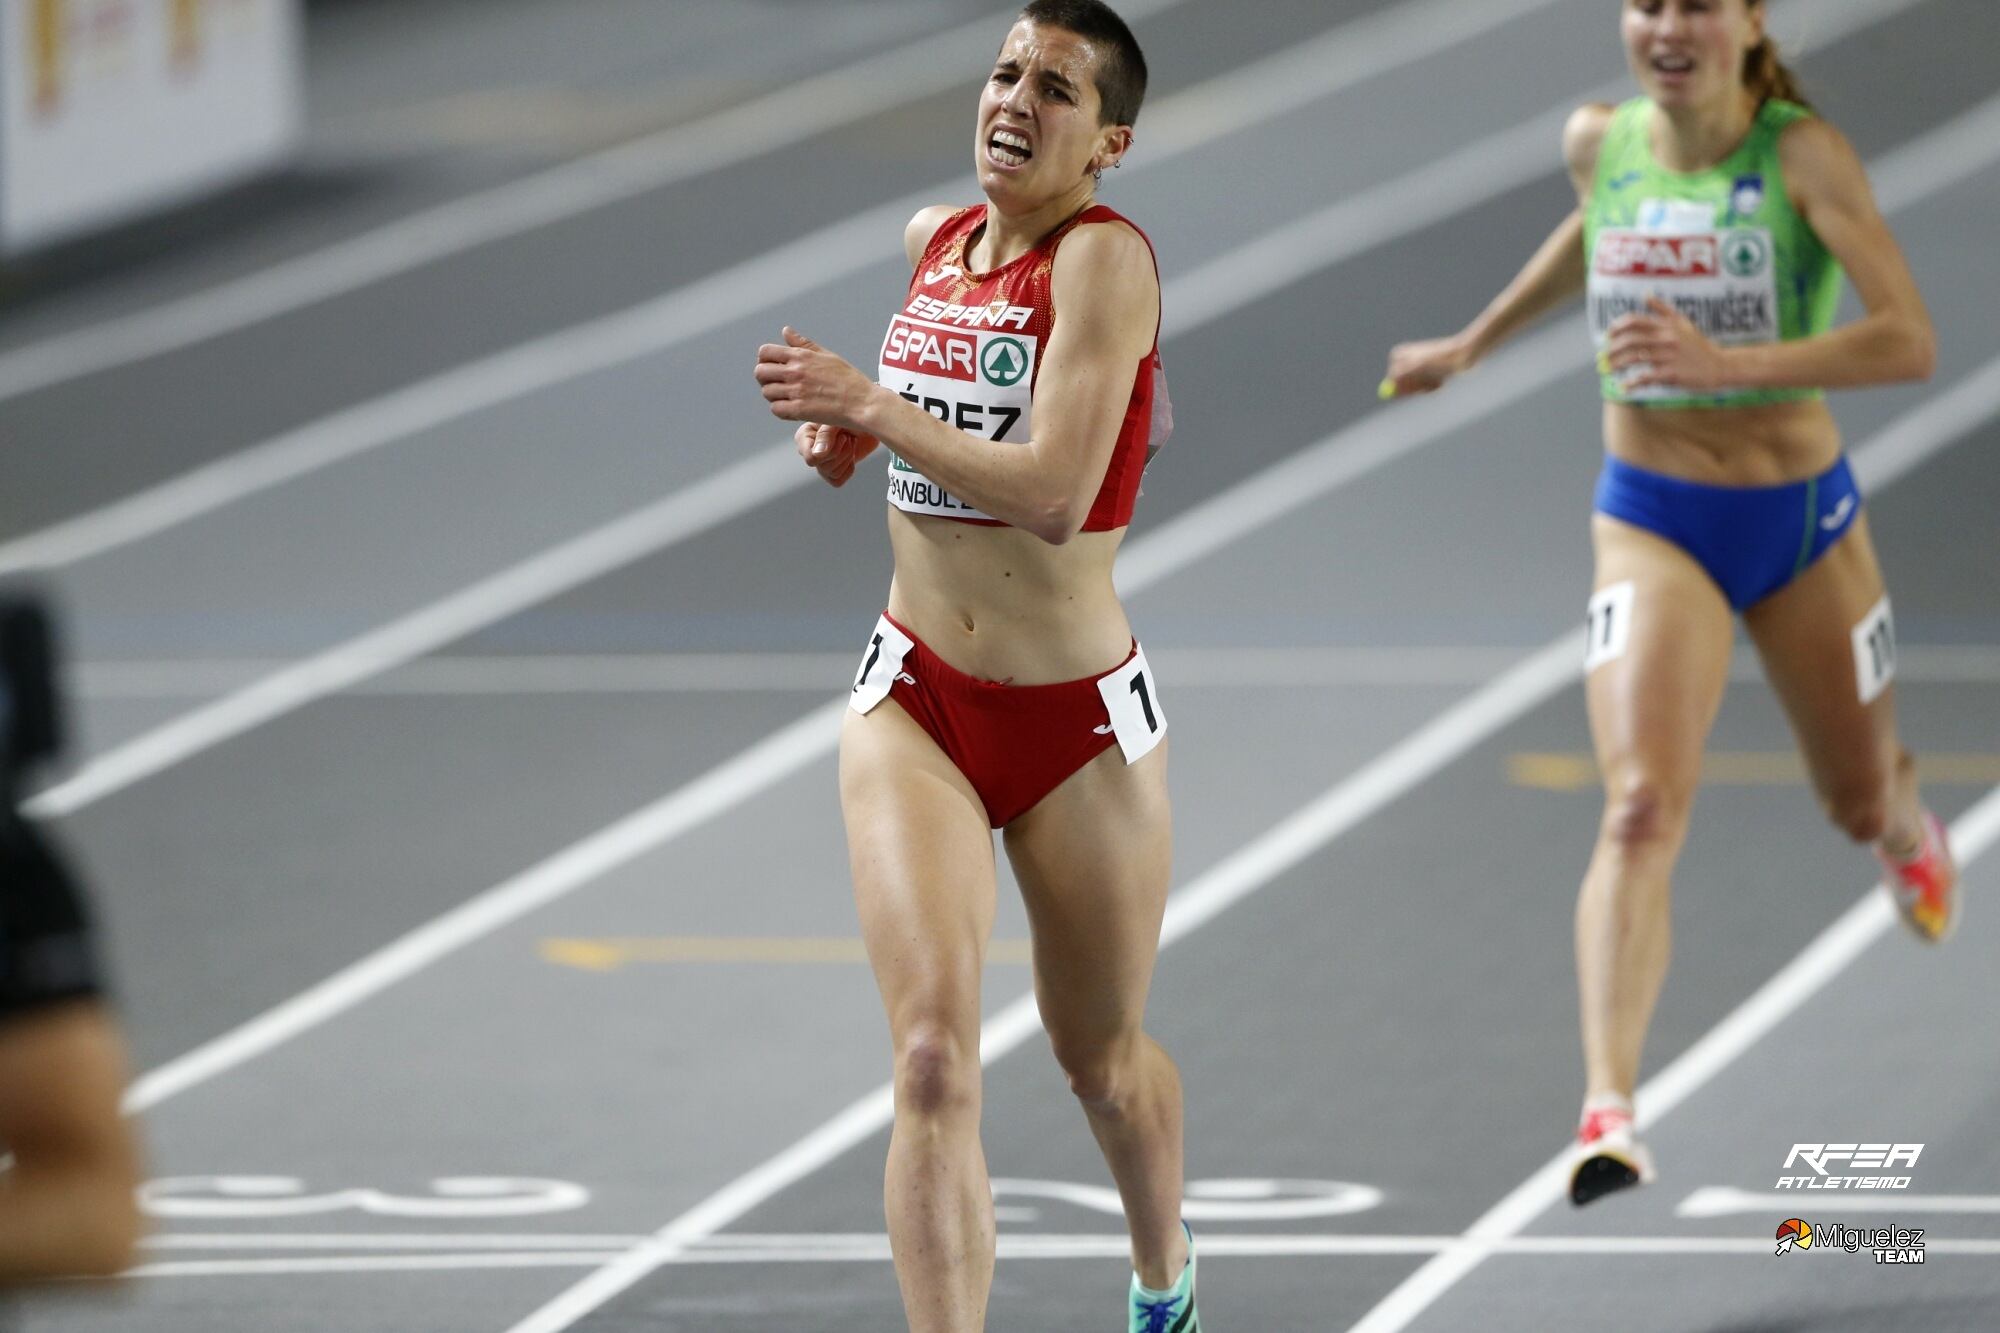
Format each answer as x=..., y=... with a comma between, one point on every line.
x=68, y=1209
x=31, y=730
x=45, y=939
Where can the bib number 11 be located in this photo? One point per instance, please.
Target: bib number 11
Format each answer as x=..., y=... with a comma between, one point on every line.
x=1875, y=652
x=1608, y=625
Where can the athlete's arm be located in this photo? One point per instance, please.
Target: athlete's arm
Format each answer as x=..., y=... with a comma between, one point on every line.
x=1551, y=277
x=833, y=451
x=1892, y=342
x=67, y=1206
x=1106, y=296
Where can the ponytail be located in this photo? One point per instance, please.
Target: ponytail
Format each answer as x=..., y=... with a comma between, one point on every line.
x=1769, y=77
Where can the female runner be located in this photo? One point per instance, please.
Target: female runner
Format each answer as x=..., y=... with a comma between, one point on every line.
x=1715, y=215
x=1002, y=687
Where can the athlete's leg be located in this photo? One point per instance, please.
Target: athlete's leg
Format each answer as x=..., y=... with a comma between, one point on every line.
x=1865, y=779
x=1094, y=860
x=922, y=858
x=1651, y=707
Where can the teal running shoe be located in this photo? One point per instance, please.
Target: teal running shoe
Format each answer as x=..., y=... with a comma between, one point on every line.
x=1166, y=1311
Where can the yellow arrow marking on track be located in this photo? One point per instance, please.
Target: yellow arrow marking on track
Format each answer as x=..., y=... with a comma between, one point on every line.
x=608, y=955
x=1577, y=771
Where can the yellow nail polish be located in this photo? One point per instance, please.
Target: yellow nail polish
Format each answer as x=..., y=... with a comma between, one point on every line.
x=1386, y=390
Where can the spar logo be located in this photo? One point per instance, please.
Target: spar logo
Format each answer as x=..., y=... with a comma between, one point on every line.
x=1794, y=1232
x=1746, y=254
x=1004, y=361
x=945, y=353
x=1850, y=1166
x=1628, y=254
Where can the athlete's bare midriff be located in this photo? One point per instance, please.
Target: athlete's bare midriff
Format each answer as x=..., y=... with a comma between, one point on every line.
x=1763, y=445
x=1002, y=604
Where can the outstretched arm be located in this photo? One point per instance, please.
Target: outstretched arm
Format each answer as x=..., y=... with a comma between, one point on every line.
x=1553, y=275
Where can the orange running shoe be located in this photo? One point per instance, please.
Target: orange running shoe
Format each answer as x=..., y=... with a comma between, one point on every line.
x=1607, y=1155
x=1925, y=887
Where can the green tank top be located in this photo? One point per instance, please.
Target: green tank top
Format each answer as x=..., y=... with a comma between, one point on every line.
x=1723, y=245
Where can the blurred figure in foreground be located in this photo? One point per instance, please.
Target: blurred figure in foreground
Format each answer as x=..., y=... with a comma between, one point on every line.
x=67, y=1203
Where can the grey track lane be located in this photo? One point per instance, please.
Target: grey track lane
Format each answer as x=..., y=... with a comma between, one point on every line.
x=1399, y=1011
x=195, y=817
x=462, y=499
x=411, y=104
x=154, y=419
x=1448, y=1017
x=1893, y=1045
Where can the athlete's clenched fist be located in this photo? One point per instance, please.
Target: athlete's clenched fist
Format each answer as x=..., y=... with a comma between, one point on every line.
x=832, y=451
x=802, y=381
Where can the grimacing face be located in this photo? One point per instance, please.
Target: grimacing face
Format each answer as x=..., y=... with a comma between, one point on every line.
x=1688, y=53
x=1038, y=134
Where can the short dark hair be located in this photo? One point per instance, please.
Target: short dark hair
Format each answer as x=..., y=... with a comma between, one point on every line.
x=1121, y=73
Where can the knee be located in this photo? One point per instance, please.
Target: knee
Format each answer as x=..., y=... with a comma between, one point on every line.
x=936, y=1075
x=1099, y=1071
x=1642, y=813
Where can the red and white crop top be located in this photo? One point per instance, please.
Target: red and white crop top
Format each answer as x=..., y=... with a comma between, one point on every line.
x=967, y=348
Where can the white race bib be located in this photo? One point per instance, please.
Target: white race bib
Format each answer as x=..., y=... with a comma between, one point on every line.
x=1608, y=625
x=1134, y=705
x=1724, y=281
x=1875, y=651
x=978, y=380
x=880, y=665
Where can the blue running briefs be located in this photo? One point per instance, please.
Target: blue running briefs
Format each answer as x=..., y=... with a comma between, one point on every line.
x=1752, y=540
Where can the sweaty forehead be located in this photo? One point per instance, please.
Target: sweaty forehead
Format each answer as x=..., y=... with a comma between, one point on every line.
x=1035, y=46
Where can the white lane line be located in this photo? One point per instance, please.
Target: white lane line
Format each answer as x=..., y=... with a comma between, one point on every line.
x=1250, y=868
x=1914, y=172
x=1723, y=1200
x=502, y=377
x=374, y=1263
x=755, y=769
x=379, y=1240
x=464, y=612
x=1197, y=116
x=799, y=111
x=1340, y=58
x=720, y=498
x=1772, y=1004
x=535, y=673
x=1345, y=667
x=863, y=1248
x=1909, y=440
x=1481, y=170
x=1154, y=556
x=715, y=500
x=1447, y=737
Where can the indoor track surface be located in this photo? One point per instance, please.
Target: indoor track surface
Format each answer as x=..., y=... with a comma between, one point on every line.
x=461, y=649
